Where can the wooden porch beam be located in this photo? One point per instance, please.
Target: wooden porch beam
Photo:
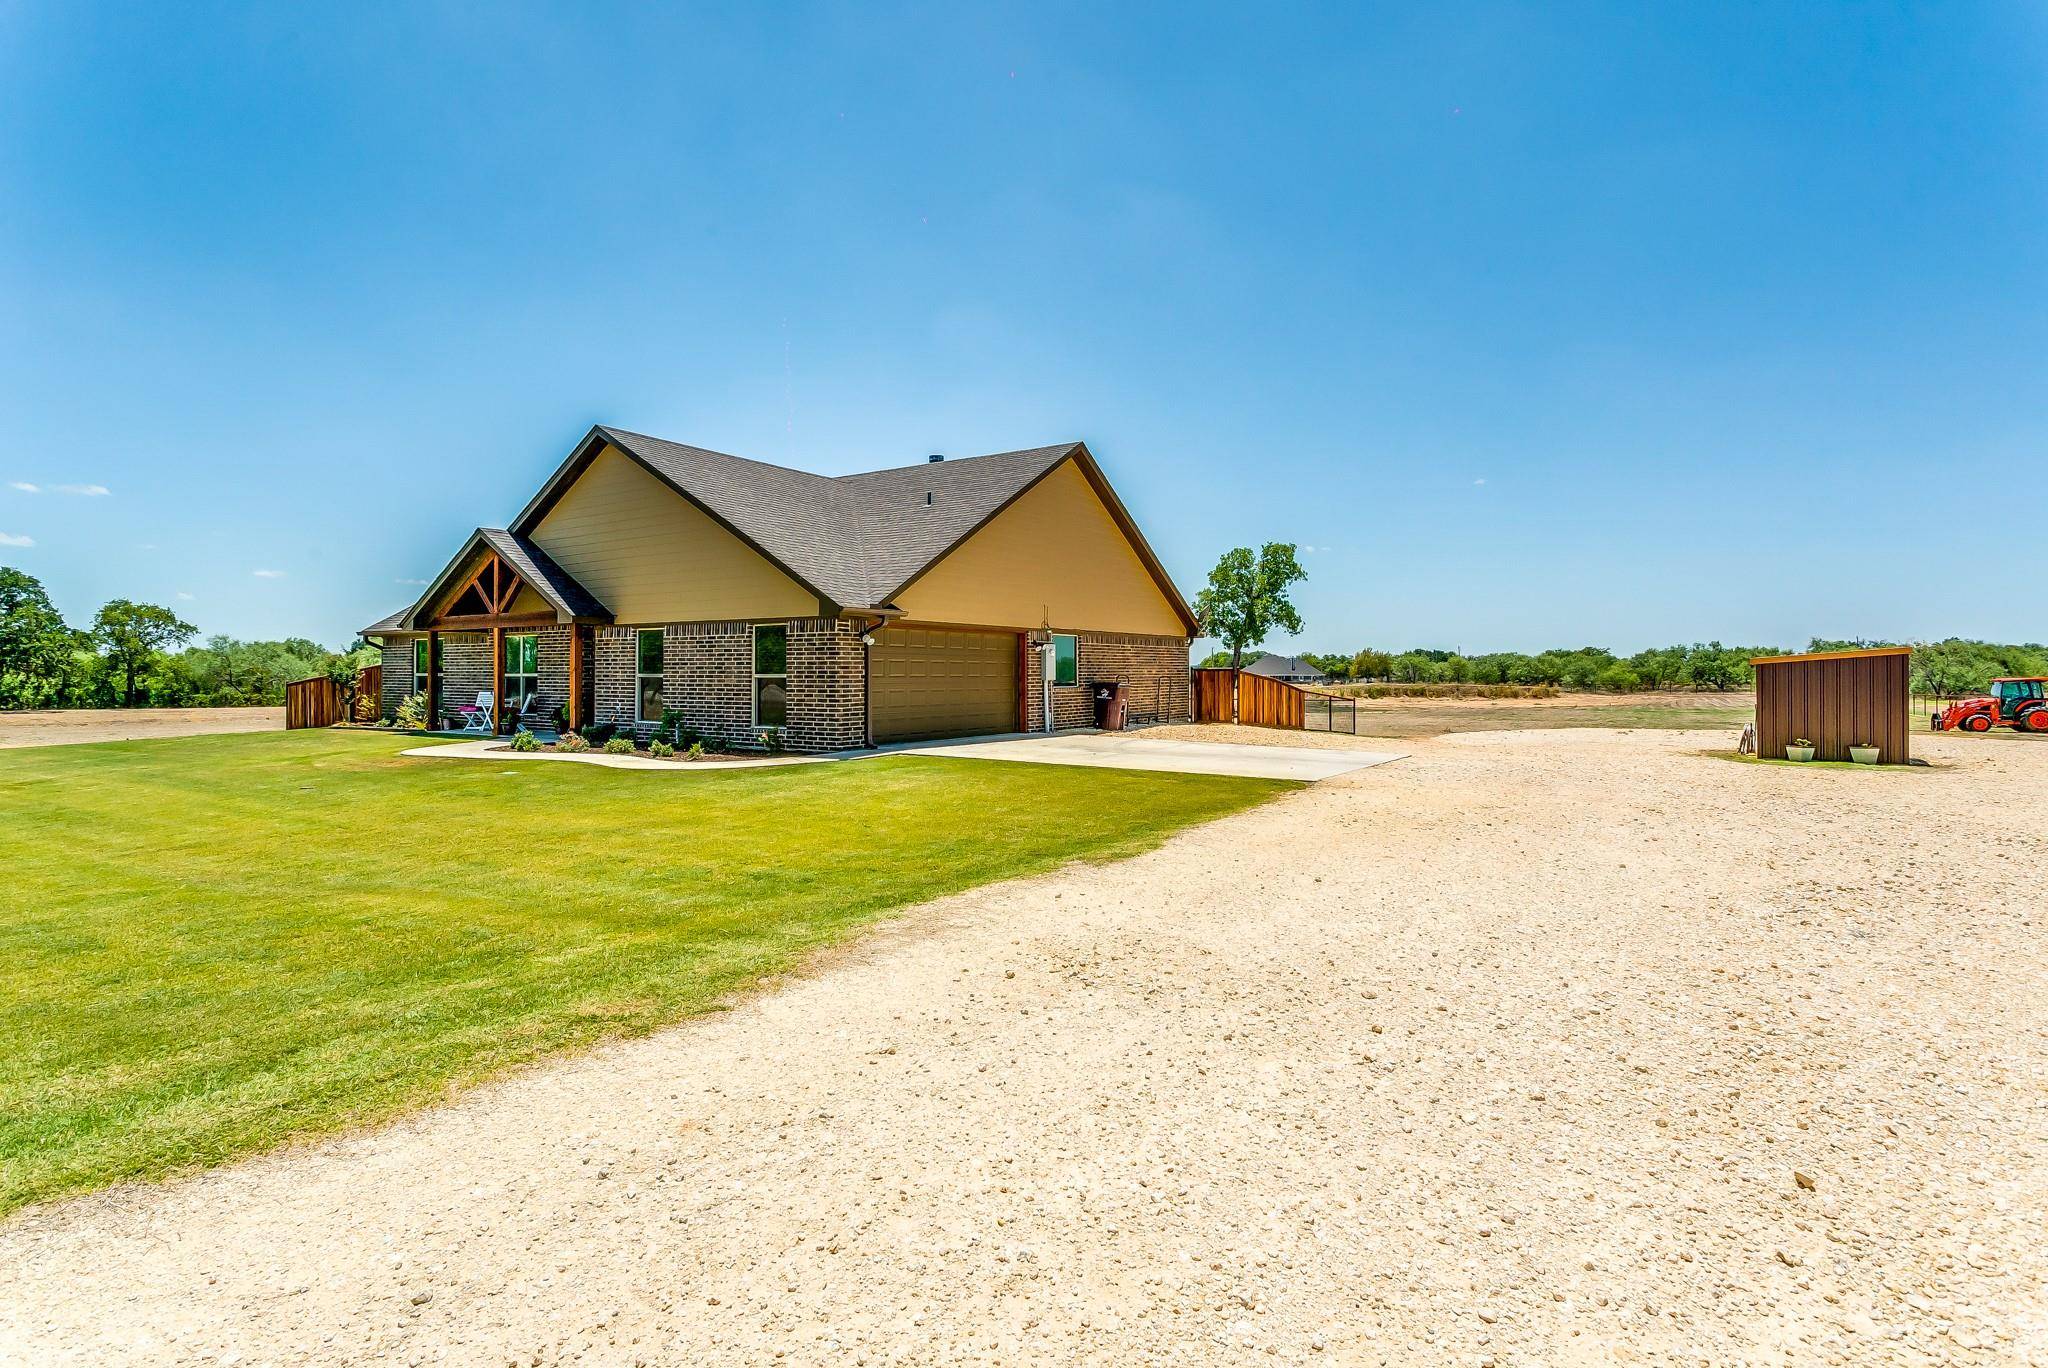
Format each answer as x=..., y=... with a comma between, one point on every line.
x=477, y=622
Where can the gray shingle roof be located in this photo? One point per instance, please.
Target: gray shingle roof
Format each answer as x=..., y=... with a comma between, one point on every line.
x=1285, y=667
x=549, y=580
x=853, y=539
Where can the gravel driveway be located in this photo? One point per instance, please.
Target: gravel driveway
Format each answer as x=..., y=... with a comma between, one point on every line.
x=1557, y=1046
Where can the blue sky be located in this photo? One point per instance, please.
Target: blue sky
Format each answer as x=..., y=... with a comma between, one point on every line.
x=1541, y=324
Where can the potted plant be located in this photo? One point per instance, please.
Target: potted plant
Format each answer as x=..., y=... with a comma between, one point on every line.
x=1863, y=752
x=1800, y=749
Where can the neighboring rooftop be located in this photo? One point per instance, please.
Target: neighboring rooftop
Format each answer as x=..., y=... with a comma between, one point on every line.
x=1285, y=667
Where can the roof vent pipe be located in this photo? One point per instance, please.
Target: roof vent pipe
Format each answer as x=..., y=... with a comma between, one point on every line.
x=933, y=459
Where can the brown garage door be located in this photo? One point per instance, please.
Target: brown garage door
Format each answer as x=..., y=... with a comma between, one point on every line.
x=924, y=683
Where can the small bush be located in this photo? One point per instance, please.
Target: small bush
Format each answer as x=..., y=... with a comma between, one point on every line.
x=573, y=743
x=661, y=750
x=619, y=745
x=696, y=750
x=524, y=741
x=412, y=712
x=601, y=733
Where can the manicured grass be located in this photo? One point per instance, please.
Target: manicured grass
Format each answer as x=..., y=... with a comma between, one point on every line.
x=215, y=943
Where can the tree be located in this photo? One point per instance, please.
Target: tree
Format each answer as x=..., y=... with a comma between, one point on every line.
x=1247, y=597
x=1371, y=664
x=132, y=636
x=35, y=645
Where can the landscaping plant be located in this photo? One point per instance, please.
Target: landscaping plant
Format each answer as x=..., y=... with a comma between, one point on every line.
x=412, y=712
x=524, y=741
x=619, y=745
x=573, y=742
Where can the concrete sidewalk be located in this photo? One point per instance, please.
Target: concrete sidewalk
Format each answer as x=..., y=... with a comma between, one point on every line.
x=1109, y=750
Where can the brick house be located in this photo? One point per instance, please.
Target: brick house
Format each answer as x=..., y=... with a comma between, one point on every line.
x=922, y=601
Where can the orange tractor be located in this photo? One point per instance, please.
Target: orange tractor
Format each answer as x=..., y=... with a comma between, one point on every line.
x=2021, y=704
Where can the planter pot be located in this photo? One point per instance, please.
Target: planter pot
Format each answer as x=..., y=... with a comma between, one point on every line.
x=1863, y=755
x=1800, y=753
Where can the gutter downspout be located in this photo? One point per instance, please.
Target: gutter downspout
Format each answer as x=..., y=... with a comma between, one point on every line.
x=1045, y=657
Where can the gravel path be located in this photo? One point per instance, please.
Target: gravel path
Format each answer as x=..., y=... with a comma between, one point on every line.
x=1549, y=1046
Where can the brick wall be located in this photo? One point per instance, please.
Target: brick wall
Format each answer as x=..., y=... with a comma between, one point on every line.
x=1153, y=670
x=708, y=676
x=466, y=668
x=827, y=686
x=397, y=676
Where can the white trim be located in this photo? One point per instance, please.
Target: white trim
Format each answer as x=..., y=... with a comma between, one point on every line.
x=756, y=675
x=1053, y=659
x=640, y=676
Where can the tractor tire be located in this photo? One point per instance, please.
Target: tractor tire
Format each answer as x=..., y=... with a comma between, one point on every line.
x=1979, y=723
x=2035, y=721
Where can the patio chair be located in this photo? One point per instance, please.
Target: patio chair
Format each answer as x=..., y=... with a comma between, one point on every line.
x=476, y=718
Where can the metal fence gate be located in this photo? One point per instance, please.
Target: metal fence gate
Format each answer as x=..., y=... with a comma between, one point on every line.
x=1329, y=713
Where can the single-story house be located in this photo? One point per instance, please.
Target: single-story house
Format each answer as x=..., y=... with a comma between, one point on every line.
x=648, y=577
x=1289, y=669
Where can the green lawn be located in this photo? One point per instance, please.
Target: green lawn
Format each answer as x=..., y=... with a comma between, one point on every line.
x=215, y=943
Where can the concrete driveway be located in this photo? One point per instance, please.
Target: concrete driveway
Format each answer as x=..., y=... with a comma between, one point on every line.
x=1107, y=750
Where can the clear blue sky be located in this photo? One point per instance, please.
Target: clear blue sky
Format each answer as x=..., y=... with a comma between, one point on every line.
x=1541, y=324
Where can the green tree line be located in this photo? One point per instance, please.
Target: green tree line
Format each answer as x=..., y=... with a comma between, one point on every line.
x=140, y=655
x=1948, y=668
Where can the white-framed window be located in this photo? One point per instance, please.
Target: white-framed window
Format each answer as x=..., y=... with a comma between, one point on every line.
x=771, y=674
x=522, y=670
x=1066, y=658
x=421, y=664
x=647, y=664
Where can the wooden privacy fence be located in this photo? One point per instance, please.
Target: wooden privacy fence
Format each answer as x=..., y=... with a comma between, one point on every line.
x=1254, y=700
x=316, y=702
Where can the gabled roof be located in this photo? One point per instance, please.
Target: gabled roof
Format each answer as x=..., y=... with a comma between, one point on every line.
x=855, y=541
x=570, y=600
x=1284, y=667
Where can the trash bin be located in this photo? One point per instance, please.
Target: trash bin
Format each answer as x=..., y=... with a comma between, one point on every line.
x=1109, y=706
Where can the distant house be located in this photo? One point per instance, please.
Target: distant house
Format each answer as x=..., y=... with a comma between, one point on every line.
x=650, y=579
x=1288, y=669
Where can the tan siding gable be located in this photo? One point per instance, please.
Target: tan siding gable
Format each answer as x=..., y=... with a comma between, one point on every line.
x=1054, y=557
x=650, y=555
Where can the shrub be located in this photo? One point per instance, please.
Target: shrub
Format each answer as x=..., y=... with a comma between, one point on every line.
x=524, y=741
x=601, y=733
x=672, y=728
x=412, y=712
x=696, y=750
x=573, y=743
x=661, y=750
x=619, y=745
x=771, y=741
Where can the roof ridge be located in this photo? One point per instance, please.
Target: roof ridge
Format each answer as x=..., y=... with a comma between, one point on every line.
x=957, y=461
x=707, y=451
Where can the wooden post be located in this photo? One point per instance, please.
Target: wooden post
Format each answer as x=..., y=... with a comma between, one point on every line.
x=497, y=678
x=575, y=672
x=433, y=680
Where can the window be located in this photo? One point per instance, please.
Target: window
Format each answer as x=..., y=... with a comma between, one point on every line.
x=648, y=666
x=522, y=670
x=1066, y=659
x=419, y=665
x=771, y=674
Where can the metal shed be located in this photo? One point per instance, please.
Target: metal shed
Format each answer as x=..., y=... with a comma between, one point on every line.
x=1835, y=699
